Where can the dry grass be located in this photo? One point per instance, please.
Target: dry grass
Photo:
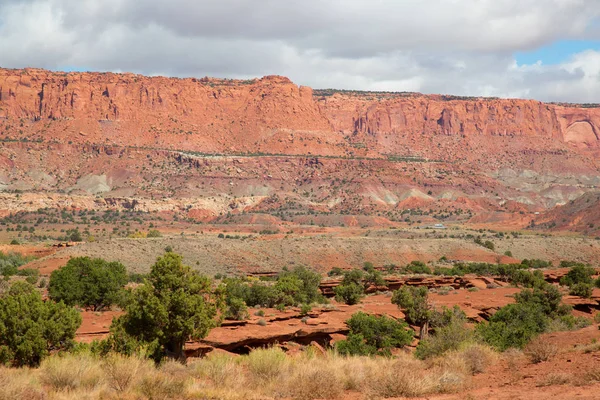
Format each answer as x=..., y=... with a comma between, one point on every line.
x=540, y=349
x=123, y=372
x=265, y=364
x=71, y=372
x=19, y=384
x=589, y=348
x=264, y=373
x=311, y=379
x=556, y=378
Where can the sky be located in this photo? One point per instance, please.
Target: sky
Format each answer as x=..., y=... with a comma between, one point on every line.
x=547, y=50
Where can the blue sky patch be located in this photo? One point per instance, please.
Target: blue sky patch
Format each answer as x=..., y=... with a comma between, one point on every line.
x=556, y=52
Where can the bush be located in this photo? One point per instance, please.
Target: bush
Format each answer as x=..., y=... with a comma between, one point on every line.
x=88, y=282
x=513, y=326
x=450, y=331
x=370, y=334
x=540, y=350
x=579, y=273
x=237, y=310
x=71, y=372
x=350, y=293
x=312, y=380
x=546, y=296
x=266, y=364
x=568, y=322
x=10, y=263
x=122, y=372
x=418, y=267
x=528, y=279
x=305, y=309
x=31, y=328
x=153, y=233
x=161, y=386
x=581, y=289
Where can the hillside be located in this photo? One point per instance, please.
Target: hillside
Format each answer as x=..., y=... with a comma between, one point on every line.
x=212, y=147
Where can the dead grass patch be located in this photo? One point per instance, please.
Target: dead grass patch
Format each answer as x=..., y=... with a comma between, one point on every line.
x=555, y=379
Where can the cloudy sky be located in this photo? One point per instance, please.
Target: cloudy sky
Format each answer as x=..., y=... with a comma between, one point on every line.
x=543, y=49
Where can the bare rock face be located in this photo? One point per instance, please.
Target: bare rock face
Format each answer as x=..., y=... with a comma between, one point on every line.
x=131, y=136
x=247, y=110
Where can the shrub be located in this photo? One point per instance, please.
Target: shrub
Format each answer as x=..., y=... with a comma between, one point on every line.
x=350, y=293
x=581, y=289
x=568, y=322
x=10, y=263
x=221, y=369
x=305, y=309
x=161, y=386
x=418, y=267
x=88, y=282
x=370, y=334
x=450, y=332
x=477, y=357
x=71, y=372
x=546, y=296
x=153, y=233
x=528, y=279
x=513, y=326
x=540, y=350
x=173, y=306
x=237, y=310
x=579, y=273
x=489, y=245
x=312, y=380
x=266, y=364
x=31, y=328
x=123, y=372
x=373, y=278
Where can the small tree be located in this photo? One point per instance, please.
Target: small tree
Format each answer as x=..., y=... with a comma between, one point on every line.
x=30, y=328
x=414, y=302
x=88, y=282
x=174, y=305
x=351, y=289
x=350, y=293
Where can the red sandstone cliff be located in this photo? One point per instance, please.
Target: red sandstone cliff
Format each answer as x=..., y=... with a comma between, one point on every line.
x=221, y=115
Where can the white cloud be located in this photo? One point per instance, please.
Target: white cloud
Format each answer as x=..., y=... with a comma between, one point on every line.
x=462, y=47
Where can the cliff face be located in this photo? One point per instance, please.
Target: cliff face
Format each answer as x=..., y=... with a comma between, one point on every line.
x=431, y=114
x=247, y=112
x=129, y=135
